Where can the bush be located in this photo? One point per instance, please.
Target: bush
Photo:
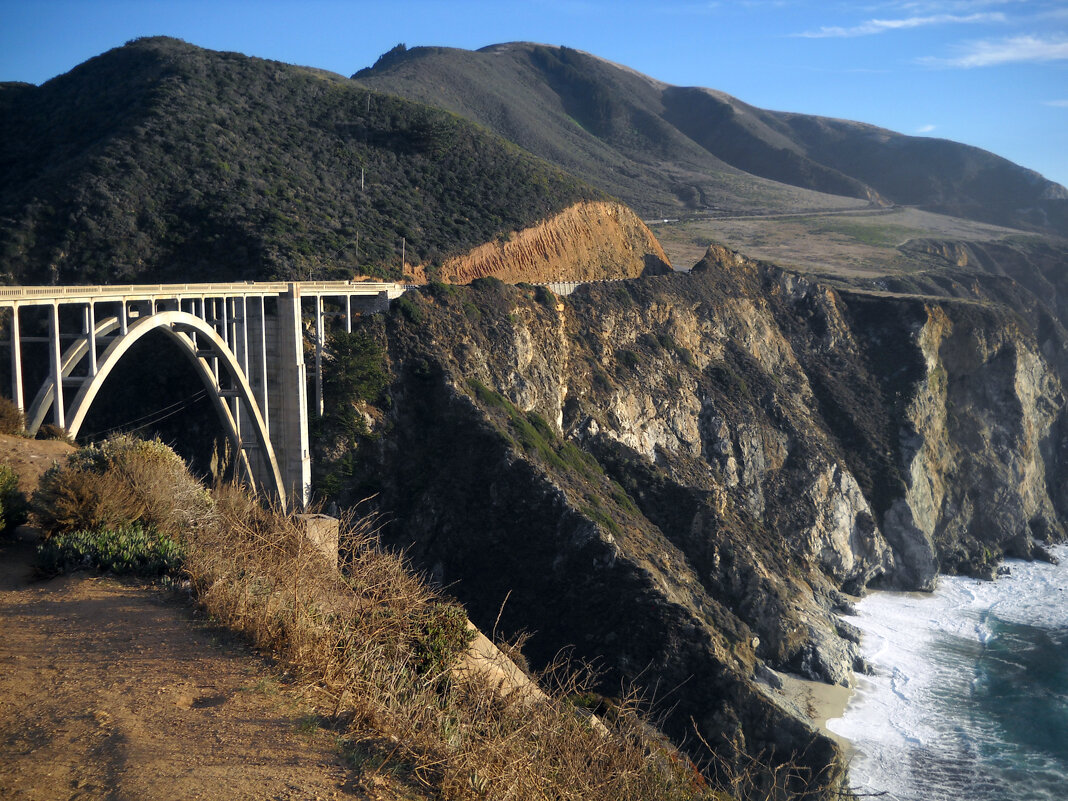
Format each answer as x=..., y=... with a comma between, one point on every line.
x=442, y=639
x=357, y=368
x=12, y=421
x=50, y=431
x=13, y=505
x=487, y=283
x=116, y=483
x=628, y=358
x=129, y=549
x=409, y=308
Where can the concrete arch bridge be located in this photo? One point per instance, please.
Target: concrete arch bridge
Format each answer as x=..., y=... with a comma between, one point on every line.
x=244, y=340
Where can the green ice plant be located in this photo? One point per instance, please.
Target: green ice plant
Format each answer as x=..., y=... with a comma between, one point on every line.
x=131, y=549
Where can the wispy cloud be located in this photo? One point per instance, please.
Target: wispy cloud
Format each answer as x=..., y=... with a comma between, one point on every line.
x=951, y=6
x=1056, y=103
x=1018, y=49
x=925, y=129
x=875, y=26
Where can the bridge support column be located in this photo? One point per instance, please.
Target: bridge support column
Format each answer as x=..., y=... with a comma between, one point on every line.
x=56, y=364
x=319, y=337
x=290, y=426
x=89, y=320
x=16, y=360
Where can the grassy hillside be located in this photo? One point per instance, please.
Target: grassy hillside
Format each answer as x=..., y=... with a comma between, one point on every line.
x=162, y=161
x=602, y=122
x=662, y=148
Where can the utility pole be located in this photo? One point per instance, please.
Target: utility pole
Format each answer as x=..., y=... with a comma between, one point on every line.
x=402, y=254
x=361, y=179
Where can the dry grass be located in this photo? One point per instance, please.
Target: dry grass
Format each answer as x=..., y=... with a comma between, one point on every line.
x=360, y=638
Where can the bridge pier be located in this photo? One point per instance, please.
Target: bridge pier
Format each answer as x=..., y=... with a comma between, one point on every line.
x=16, y=360
x=288, y=394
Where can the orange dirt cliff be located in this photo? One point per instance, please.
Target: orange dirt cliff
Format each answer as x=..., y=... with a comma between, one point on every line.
x=585, y=242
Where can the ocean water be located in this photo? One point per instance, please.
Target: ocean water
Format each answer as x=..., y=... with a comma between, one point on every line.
x=970, y=697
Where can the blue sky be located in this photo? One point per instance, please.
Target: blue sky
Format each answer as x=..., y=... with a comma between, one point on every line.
x=991, y=73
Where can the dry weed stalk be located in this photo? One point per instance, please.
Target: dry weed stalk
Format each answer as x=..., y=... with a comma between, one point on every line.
x=756, y=778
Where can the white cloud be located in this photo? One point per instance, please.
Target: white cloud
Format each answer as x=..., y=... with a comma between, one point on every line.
x=923, y=129
x=1056, y=103
x=1018, y=49
x=875, y=26
x=953, y=6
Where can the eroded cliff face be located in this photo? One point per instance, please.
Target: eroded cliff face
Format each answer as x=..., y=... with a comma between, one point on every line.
x=977, y=442
x=681, y=477
x=589, y=241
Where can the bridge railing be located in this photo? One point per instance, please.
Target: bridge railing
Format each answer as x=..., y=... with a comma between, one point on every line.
x=46, y=294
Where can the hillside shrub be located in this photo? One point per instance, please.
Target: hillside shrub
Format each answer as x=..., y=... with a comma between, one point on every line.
x=357, y=367
x=12, y=421
x=408, y=308
x=118, y=482
x=13, y=504
x=441, y=639
x=545, y=297
x=488, y=283
x=628, y=358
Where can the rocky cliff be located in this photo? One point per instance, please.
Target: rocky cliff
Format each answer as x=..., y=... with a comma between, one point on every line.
x=588, y=241
x=683, y=477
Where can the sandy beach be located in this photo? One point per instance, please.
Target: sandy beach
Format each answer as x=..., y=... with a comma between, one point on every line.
x=816, y=701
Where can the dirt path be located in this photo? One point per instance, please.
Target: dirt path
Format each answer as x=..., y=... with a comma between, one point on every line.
x=111, y=689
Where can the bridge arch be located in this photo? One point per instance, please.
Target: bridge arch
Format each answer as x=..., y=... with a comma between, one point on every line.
x=200, y=342
x=227, y=330
x=72, y=356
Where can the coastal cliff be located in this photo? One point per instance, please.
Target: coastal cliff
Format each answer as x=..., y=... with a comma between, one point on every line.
x=683, y=477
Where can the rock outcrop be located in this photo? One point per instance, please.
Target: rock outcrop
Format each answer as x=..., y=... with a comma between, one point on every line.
x=682, y=477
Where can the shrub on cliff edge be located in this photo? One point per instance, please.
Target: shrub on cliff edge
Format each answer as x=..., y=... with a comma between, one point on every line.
x=118, y=482
x=12, y=421
x=13, y=505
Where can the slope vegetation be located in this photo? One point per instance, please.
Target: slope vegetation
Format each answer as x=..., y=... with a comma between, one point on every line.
x=161, y=161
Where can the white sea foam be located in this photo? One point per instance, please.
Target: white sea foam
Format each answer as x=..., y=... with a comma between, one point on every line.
x=914, y=723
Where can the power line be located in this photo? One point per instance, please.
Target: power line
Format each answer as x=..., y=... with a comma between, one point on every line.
x=153, y=417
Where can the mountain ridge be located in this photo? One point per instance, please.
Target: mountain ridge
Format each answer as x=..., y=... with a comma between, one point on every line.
x=702, y=138
x=161, y=159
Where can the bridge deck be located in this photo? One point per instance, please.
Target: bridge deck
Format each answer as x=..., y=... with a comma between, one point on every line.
x=45, y=295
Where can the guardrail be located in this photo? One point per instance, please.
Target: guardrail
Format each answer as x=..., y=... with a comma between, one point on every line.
x=13, y=294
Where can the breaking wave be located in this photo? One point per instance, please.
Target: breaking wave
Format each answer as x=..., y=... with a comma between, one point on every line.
x=970, y=694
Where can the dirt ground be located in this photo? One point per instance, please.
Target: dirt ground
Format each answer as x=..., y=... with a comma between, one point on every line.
x=31, y=457
x=111, y=689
